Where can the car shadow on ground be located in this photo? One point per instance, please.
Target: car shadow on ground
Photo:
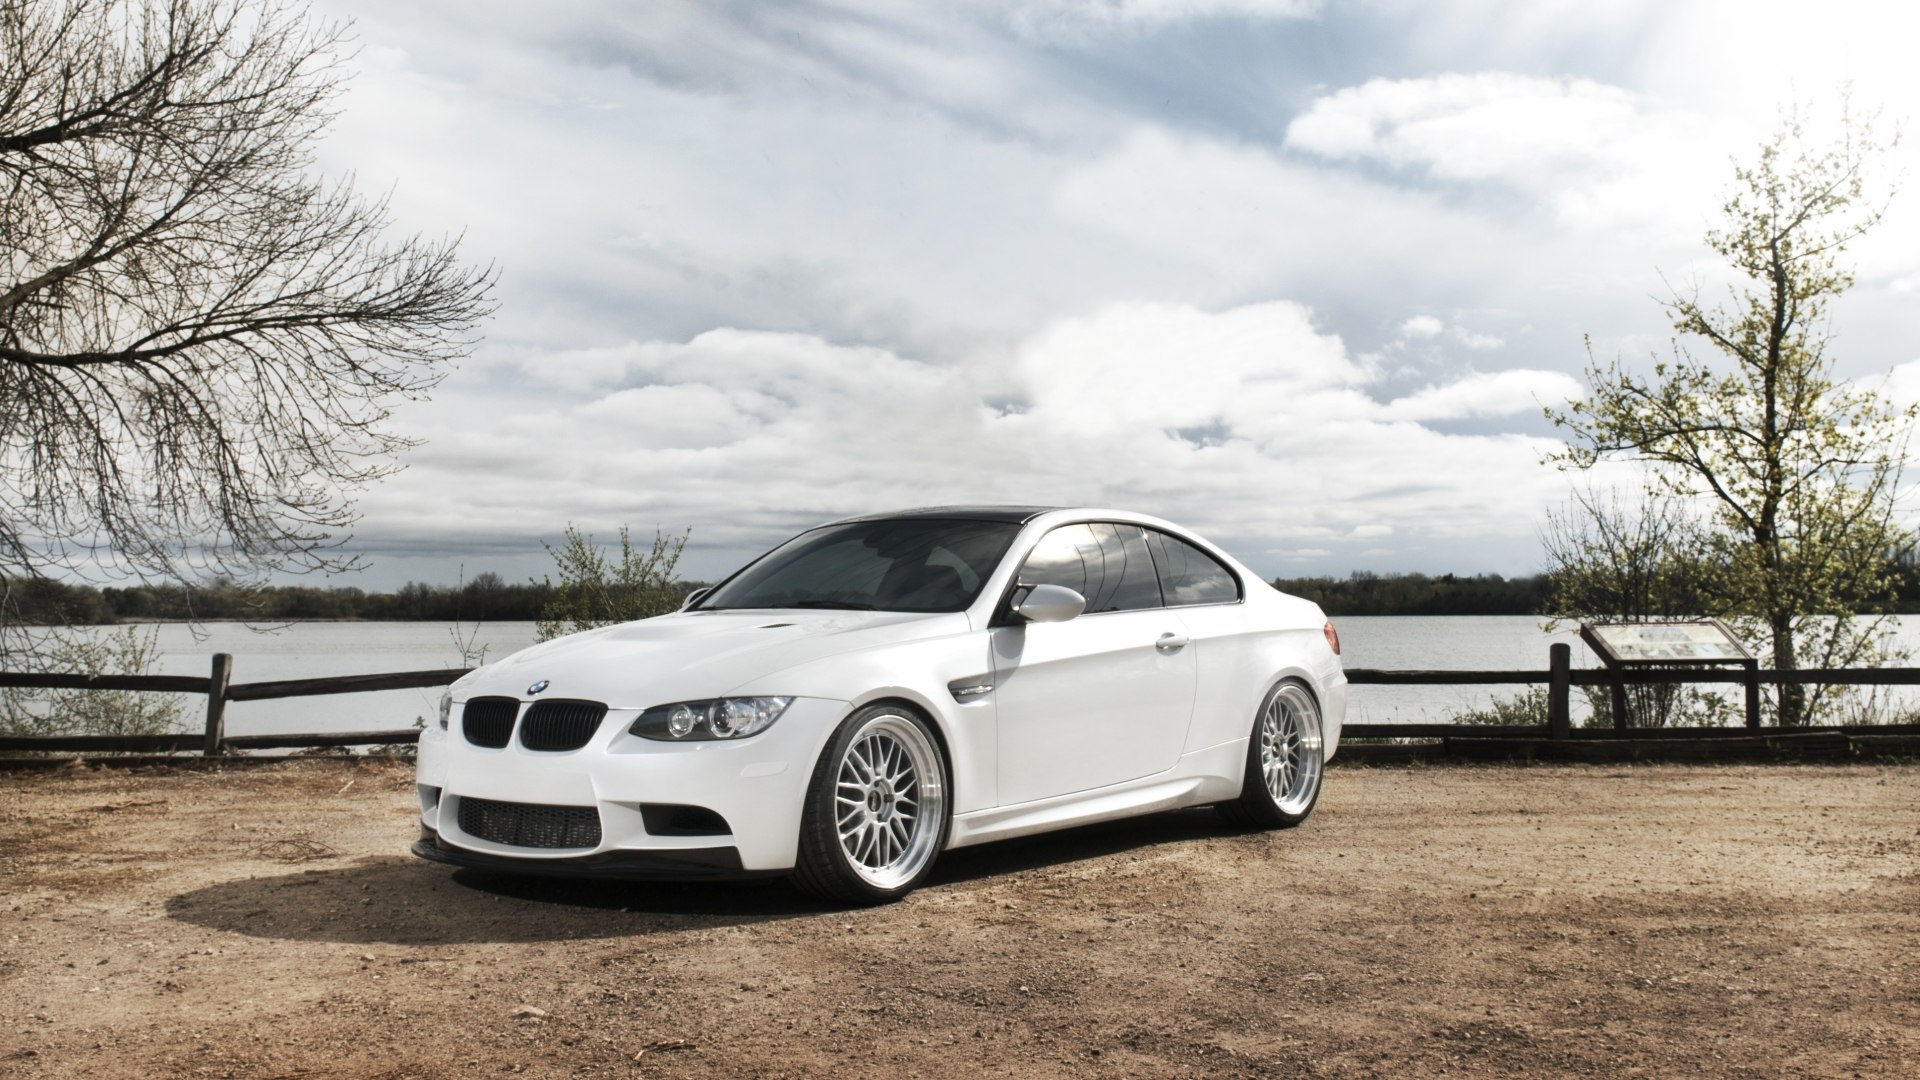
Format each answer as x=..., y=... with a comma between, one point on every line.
x=402, y=900
x=1068, y=846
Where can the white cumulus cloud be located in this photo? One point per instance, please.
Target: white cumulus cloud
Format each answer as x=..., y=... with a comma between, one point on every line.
x=1422, y=326
x=1226, y=259
x=1249, y=423
x=1469, y=126
x=1477, y=341
x=1498, y=393
x=1594, y=153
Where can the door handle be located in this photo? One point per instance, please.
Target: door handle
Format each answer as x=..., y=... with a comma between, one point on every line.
x=1171, y=642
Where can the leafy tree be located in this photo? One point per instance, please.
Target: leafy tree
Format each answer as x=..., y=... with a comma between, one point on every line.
x=594, y=590
x=1796, y=471
x=200, y=340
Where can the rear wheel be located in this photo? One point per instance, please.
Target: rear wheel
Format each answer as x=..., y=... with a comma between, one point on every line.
x=876, y=810
x=1285, y=758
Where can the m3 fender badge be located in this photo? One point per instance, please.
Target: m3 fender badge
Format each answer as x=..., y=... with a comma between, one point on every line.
x=537, y=687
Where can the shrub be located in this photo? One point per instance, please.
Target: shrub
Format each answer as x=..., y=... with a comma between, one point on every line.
x=1528, y=707
x=594, y=590
x=125, y=651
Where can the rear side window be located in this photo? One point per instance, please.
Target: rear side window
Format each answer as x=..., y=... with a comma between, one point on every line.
x=1131, y=583
x=1111, y=565
x=1191, y=576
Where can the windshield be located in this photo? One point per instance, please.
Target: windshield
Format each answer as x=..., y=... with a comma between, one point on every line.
x=902, y=564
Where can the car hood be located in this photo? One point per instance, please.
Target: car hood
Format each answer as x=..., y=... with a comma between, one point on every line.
x=690, y=655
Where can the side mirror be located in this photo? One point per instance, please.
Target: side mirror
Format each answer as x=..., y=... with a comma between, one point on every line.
x=694, y=597
x=1049, y=603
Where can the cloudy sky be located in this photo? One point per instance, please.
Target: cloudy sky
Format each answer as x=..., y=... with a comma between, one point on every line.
x=1299, y=274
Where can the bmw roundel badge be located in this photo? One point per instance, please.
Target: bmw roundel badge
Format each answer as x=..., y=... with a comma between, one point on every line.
x=536, y=687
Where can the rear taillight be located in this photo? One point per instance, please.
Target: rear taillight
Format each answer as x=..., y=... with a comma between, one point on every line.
x=1333, y=637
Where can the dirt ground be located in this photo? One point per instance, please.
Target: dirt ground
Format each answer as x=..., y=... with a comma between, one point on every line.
x=1653, y=920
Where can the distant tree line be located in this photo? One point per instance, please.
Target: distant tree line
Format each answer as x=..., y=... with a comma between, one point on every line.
x=486, y=598
x=47, y=602
x=489, y=598
x=1366, y=593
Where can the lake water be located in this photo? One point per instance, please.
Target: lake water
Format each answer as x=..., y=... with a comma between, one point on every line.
x=311, y=650
x=320, y=649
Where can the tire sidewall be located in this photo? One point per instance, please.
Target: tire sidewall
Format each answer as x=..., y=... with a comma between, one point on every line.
x=1256, y=804
x=823, y=866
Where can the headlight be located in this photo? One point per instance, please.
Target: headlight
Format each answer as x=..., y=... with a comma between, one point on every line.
x=721, y=718
x=446, y=709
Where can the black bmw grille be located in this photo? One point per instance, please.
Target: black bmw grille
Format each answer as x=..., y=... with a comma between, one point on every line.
x=488, y=721
x=561, y=724
x=530, y=825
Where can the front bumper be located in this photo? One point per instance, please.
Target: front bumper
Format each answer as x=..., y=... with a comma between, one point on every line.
x=683, y=864
x=756, y=786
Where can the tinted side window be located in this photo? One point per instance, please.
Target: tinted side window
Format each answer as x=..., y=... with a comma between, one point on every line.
x=1191, y=576
x=1108, y=564
x=1131, y=583
x=1068, y=556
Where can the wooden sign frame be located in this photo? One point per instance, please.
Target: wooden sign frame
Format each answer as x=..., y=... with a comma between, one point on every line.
x=1679, y=642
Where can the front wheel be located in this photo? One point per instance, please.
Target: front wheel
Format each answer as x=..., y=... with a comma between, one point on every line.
x=876, y=810
x=1285, y=756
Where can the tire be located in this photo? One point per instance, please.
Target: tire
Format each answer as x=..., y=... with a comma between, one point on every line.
x=876, y=815
x=1285, y=761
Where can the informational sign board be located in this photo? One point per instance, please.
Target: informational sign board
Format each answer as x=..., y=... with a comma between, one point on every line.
x=1624, y=646
x=1706, y=641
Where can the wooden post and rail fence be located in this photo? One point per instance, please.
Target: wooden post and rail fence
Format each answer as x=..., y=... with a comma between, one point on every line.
x=219, y=688
x=1557, y=738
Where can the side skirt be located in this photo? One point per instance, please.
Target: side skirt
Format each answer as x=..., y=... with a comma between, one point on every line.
x=1202, y=777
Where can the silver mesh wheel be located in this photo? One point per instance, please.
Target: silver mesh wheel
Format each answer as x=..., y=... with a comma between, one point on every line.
x=1291, y=749
x=889, y=802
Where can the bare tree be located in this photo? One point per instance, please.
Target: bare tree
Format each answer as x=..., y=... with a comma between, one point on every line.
x=201, y=340
x=1616, y=556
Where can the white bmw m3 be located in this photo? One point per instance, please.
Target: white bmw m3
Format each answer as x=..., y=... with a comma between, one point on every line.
x=878, y=690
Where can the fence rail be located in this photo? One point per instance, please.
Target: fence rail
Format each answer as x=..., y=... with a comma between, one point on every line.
x=1558, y=739
x=1882, y=676
x=219, y=689
x=1559, y=677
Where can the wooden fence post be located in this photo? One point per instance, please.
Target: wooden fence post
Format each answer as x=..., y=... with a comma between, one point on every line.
x=1753, y=693
x=217, y=703
x=1559, y=690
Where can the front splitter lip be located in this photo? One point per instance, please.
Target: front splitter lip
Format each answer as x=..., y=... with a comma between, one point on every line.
x=675, y=864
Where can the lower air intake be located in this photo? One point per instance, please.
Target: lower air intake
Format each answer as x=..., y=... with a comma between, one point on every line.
x=530, y=825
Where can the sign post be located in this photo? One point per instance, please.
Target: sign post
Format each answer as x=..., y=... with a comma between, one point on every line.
x=1625, y=646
